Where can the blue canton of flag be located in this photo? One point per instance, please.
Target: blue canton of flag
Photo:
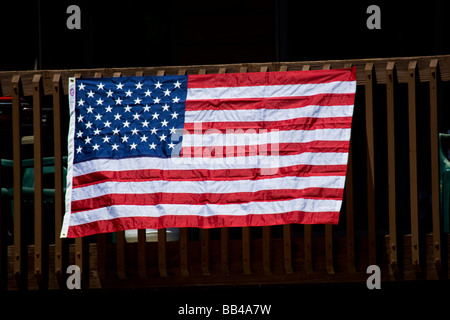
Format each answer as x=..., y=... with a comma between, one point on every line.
x=129, y=117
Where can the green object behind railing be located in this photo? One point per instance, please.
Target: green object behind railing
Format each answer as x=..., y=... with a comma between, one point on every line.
x=444, y=181
x=48, y=167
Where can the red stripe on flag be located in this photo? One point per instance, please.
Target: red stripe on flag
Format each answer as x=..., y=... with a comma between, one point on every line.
x=291, y=124
x=281, y=149
x=152, y=199
x=203, y=174
x=272, y=103
x=118, y=224
x=270, y=78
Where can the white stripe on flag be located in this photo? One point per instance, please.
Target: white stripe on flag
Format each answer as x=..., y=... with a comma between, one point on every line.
x=206, y=210
x=306, y=158
x=149, y=187
x=271, y=91
x=268, y=114
x=252, y=137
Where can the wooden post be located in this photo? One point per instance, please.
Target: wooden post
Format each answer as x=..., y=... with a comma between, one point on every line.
x=101, y=256
x=287, y=248
x=266, y=244
x=82, y=260
x=370, y=82
x=120, y=255
x=162, y=252
x=20, y=247
x=205, y=250
x=413, y=183
x=40, y=245
x=246, y=247
x=434, y=136
x=61, y=248
x=142, y=253
x=350, y=226
x=390, y=83
x=329, y=248
x=184, y=262
x=349, y=211
x=224, y=251
x=308, y=243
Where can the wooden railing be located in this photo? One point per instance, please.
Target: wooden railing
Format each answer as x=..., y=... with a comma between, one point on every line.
x=390, y=217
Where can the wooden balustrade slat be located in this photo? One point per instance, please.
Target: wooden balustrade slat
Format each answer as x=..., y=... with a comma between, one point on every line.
x=370, y=82
x=349, y=209
x=20, y=255
x=434, y=149
x=61, y=248
x=40, y=245
x=390, y=87
x=413, y=183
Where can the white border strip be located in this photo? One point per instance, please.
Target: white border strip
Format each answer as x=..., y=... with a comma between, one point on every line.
x=71, y=149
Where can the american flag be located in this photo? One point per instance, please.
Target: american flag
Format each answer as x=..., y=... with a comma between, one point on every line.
x=215, y=150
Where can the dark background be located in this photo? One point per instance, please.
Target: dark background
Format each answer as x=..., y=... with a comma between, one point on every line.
x=172, y=32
